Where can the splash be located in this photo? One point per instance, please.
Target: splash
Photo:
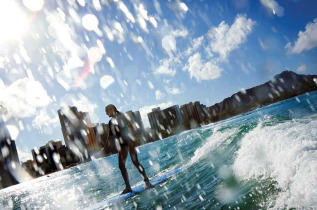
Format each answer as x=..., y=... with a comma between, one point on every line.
x=219, y=139
x=285, y=152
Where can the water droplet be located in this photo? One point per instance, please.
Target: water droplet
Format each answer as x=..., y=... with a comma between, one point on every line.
x=169, y=43
x=13, y=165
x=39, y=158
x=106, y=81
x=150, y=85
x=90, y=22
x=183, y=6
x=14, y=131
x=201, y=198
x=159, y=207
x=110, y=61
x=5, y=151
x=56, y=157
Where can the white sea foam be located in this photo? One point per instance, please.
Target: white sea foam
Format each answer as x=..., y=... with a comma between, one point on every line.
x=286, y=152
x=216, y=140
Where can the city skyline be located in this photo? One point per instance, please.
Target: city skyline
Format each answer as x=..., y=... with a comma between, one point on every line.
x=83, y=139
x=140, y=55
x=83, y=117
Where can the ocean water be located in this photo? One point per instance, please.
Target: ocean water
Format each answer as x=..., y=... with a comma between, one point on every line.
x=264, y=159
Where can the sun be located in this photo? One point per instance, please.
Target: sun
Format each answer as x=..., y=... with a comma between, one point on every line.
x=13, y=22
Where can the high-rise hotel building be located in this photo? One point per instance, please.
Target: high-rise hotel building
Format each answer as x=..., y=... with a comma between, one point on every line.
x=9, y=159
x=77, y=132
x=166, y=120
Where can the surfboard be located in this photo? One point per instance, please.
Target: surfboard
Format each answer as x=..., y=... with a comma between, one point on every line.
x=141, y=187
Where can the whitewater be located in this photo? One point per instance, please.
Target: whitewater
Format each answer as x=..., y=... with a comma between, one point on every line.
x=266, y=158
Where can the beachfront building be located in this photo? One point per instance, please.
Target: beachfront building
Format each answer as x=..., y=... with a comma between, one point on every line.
x=194, y=114
x=137, y=125
x=78, y=135
x=47, y=158
x=9, y=159
x=167, y=121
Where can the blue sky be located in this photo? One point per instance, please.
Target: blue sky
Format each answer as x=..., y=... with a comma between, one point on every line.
x=141, y=54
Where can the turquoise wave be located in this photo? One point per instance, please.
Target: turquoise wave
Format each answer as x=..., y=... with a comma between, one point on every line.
x=262, y=159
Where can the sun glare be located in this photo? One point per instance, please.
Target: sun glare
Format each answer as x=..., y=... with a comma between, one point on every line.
x=13, y=21
x=34, y=5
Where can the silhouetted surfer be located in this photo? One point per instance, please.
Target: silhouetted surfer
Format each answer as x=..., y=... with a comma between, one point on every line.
x=123, y=135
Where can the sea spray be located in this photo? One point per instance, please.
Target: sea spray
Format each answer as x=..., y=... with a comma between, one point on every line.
x=287, y=153
x=217, y=140
x=259, y=160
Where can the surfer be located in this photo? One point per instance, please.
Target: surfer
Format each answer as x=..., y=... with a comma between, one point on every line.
x=120, y=129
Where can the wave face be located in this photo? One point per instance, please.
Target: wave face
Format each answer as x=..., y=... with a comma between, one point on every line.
x=264, y=159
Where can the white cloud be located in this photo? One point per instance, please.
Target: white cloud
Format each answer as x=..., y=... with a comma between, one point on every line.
x=180, y=33
x=197, y=42
x=273, y=7
x=173, y=91
x=45, y=122
x=165, y=67
x=63, y=33
x=82, y=103
x=306, y=39
x=159, y=95
x=147, y=109
x=200, y=70
x=222, y=41
x=301, y=68
x=23, y=97
x=225, y=38
x=24, y=154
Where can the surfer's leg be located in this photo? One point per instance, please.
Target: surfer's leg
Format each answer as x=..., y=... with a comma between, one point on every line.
x=134, y=158
x=122, y=158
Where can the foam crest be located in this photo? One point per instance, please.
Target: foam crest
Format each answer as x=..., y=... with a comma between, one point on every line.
x=216, y=140
x=286, y=152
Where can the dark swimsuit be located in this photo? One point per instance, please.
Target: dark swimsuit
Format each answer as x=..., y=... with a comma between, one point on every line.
x=116, y=132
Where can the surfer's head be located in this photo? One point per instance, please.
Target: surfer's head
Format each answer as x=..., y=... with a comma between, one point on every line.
x=111, y=110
